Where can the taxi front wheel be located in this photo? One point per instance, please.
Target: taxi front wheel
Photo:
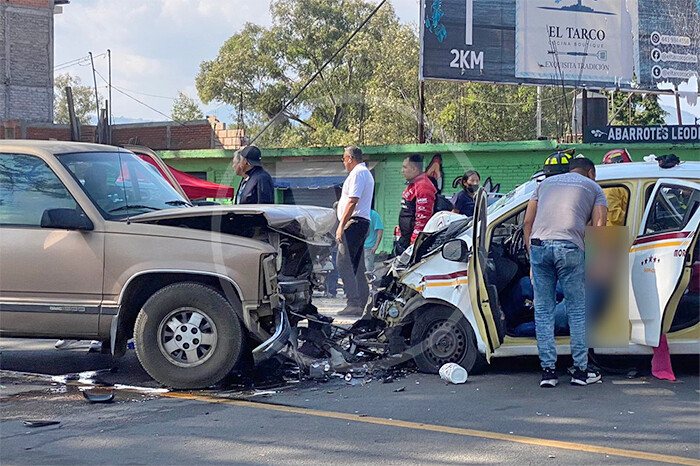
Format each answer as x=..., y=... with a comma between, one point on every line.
x=441, y=335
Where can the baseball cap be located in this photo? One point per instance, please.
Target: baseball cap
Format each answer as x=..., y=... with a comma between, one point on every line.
x=252, y=155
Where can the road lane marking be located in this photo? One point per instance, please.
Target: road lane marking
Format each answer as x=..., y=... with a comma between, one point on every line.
x=582, y=447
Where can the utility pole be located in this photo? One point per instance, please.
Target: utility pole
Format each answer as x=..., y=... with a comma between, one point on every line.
x=539, y=112
x=421, y=112
x=97, y=100
x=109, y=84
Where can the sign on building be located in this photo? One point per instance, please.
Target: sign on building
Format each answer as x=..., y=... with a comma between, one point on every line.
x=643, y=134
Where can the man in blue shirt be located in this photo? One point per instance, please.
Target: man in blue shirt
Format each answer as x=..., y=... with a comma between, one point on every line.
x=374, y=238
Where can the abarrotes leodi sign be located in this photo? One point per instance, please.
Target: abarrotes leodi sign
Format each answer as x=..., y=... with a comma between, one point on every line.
x=596, y=43
x=643, y=134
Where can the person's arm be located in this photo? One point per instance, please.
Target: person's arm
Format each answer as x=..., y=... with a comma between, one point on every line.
x=529, y=220
x=349, y=209
x=425, y=203
x=380, y=234
x=266, y=190
x=600, y=216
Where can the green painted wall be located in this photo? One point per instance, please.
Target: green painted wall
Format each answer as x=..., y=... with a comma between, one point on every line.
x=508, y=163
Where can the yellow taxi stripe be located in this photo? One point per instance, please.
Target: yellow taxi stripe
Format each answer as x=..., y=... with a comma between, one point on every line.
x=643, y=247
x=540, y=442
x=423, y=286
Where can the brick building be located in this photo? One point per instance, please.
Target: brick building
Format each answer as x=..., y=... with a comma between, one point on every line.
x=26, y=59
x=162, y=135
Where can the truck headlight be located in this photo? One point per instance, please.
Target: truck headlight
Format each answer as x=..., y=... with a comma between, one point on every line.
x=269, y=266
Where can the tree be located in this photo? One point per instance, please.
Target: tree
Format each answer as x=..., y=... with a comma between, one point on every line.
x=369, y=85
x=185, y=109
x=636, y=109
x=83, y=100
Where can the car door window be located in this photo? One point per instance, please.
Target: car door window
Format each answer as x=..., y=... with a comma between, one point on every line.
x=618, y=202
x=28, y=187
x=671, y=209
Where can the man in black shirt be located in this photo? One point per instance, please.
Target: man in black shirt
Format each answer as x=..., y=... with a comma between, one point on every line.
x=256, y=186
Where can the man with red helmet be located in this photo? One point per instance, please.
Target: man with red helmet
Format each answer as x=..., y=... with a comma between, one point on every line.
x=618, y=198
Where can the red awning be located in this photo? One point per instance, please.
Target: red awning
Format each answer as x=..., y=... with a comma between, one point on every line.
x=194, y=187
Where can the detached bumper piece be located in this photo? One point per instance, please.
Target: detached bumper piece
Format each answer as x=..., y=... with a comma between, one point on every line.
x=278, y=340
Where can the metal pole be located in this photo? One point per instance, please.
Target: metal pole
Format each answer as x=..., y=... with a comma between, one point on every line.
x=97, y=99
x=584, y=110
x=678, y=105
x=539, y=112
x=421, y=112
x=109, y=77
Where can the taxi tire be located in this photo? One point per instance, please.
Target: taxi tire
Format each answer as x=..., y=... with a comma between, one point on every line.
x=442, y=322
x=230, y=336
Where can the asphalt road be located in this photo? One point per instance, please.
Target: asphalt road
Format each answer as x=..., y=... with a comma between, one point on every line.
x=499, y=417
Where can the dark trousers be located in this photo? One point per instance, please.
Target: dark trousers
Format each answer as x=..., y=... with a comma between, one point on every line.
x=332, y=277
x=350, y=263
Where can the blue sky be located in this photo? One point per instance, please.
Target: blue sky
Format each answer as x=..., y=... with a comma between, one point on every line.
x=157, y=46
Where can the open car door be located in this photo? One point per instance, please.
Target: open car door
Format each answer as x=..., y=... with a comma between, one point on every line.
x=484, y=296
x=660, y=258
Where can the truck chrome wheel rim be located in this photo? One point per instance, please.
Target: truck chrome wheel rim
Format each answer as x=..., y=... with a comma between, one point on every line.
x=445, y=342
x=187, y=337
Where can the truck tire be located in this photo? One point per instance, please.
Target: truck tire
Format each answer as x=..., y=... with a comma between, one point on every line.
x=188, y=336
x=441, y=335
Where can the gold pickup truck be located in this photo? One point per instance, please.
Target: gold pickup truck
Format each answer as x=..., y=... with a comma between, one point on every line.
x=96, y=244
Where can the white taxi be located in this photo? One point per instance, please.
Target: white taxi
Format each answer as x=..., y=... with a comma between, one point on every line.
x=443, y=300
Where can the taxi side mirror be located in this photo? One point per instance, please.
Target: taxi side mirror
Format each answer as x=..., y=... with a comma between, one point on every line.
x=455, y=250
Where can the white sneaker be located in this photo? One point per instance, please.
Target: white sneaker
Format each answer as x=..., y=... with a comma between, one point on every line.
x=63, y=344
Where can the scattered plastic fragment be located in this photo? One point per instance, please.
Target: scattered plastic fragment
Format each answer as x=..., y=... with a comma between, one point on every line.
x=98, y=396
x=40, y=423
x=400, y=389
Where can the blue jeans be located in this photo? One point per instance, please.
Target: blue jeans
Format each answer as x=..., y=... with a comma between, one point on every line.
x=563, y=261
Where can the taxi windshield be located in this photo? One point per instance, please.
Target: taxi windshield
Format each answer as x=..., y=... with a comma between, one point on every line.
x=121, y=184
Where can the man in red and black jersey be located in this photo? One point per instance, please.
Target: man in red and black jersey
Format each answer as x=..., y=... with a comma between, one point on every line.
x=417, y=202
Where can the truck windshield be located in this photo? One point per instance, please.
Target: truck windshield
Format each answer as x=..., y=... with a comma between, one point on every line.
x=120, y=184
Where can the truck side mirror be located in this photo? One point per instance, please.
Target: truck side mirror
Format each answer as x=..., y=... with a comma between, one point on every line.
x=455, y=250
x=66, y=219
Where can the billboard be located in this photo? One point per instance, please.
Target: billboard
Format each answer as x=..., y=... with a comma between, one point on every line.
x=593, y=43
x=573, y=42
x=668, y=46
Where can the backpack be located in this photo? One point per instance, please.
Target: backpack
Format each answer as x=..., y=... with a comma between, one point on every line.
x=442, y=204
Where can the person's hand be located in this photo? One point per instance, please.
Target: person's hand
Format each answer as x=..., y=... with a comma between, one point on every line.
x=374, y=250
x=339, y=234
x=531, y=279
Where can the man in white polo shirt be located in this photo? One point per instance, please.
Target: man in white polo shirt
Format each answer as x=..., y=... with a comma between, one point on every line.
x=353, y=217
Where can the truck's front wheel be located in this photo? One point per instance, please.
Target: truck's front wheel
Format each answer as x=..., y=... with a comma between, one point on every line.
x=188, y=336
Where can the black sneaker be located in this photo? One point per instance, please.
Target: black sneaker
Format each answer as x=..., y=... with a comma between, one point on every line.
x=549, y=378
x=586, y=377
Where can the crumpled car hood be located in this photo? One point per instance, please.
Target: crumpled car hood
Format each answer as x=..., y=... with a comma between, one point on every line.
x=308, y=223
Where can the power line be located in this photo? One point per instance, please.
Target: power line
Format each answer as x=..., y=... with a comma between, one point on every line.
x=139, y=101
x=77, y=61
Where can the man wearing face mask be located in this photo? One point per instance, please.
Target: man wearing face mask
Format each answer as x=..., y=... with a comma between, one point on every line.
x=464, y=200
x=554, y=227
